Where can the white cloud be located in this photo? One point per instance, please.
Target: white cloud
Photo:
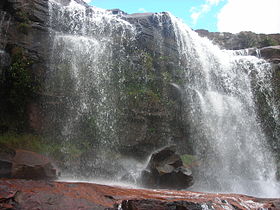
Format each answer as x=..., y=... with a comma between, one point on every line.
x=213, y=2
x=197, y=12
x=260, y=16
x=195, y=16
x=87, y=1
x=142, y=10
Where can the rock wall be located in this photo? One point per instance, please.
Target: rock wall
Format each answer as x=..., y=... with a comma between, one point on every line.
x=242, y=40
x=25, y=36
x=152, y=114
x=24, y=48
x=155, y=112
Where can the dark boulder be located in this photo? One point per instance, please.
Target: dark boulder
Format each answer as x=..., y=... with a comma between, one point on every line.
x=6, y=158
x=22, y=164
x=154, y=204
x=166, y=170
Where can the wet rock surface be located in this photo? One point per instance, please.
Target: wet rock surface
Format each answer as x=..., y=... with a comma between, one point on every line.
x=166, y=170
x=23, y=194
x=271, y=53
x=22, y=164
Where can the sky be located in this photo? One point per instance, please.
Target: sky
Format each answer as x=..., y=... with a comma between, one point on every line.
x=259, y=16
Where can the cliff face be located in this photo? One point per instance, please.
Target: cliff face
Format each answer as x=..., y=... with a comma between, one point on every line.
x=151, y=114
x=25, y=44
x=24, y=48
x=242, y=40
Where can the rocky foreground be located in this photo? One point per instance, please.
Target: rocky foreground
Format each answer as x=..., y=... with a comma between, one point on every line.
x=27, y=194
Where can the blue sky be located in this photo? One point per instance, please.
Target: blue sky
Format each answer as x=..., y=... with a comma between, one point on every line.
x=260, y=16
x=180, y=8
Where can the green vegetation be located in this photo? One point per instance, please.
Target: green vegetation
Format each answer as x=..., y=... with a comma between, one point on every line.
x=247, y=39
x=23, y=141
x=267, y=41
x=188, y=160
x=144, y=94
x=24, y=27
x=21, y=82
x=24, y=22
x=141, y=87
x=151, y=130
x=22, y=16
x=37, y=143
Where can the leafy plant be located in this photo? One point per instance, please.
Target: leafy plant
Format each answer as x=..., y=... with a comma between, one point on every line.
x=188, y=160
x=36, y=143
x=23, y=141
x=24, y=27
x=267, y=41
x=20, y=81
x=22, y=16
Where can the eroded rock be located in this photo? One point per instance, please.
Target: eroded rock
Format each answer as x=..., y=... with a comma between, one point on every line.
x=22, y=164
x=166, y=170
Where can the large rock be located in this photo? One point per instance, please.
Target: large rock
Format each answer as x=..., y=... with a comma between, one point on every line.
x=166, y=170
x=22, y=164
x=23, y=194
x=271, y=53
x=30, y=165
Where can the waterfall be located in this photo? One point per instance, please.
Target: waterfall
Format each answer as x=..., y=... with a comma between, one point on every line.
x=225, y=129
x=94, y=71
x=5, y=20
x=85, y=42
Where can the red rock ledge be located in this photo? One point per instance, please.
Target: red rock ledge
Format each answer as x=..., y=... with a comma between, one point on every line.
x=27, y=194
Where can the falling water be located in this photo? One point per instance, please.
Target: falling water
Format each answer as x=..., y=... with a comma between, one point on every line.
x=85, y=42
x=5, y=20
x=225, y=129
x=219, y=101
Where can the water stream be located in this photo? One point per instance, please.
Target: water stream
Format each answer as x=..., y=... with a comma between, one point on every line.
x=82, y=74
x=226, y=129
x=5, y=20
x=218, y=96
